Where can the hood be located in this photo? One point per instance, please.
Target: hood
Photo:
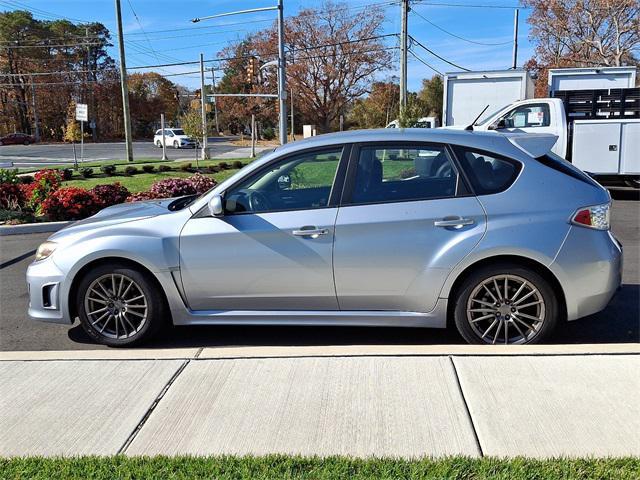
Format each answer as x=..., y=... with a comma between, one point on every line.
x=116, y=214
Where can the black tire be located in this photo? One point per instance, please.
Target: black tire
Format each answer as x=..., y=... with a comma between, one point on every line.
x=176, y=144
x=26, y=142
x=159, y=144
x=548, y=310
x=156, y=309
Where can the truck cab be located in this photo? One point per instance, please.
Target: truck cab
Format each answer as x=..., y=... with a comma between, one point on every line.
x=537, y=115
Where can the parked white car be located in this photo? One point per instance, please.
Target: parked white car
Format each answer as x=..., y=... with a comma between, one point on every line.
x=173, y=137
x=423, y=122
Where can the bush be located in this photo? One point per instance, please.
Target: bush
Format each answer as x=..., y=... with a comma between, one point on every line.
x=12, y=196
x=164, y=168
x=268, y=133
x=111, y=194
x=202, y=183
x=26, y=179
x=109, y=170
x=66, y=173
x=15, y=217
x=148, y=168
x=237, y=164
x=45, y=183
x=186, y=167
x=172, y=187
x=71, y=203
x=8, y=176
x=130, y=170
x=141, y=196
x=86, y=172
x=223, y=166
x=213, y=169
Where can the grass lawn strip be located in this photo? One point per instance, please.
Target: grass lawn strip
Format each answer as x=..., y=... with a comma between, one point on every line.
x=292, y=467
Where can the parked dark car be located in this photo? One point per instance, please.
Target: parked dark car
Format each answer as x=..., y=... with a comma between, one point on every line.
x=17, y=139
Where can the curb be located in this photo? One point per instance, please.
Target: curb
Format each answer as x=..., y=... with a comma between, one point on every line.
x=27, y=228
x=326, y=351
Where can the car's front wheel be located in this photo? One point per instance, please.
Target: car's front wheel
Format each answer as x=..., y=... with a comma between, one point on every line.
x=119, y=305
x=505, y=304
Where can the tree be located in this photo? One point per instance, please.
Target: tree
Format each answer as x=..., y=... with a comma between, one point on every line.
x=431, y=95
x=332, y=57
x=379, y=108
x=191, y=123
x=72, y=131
x=150, y=94
x=583, y=33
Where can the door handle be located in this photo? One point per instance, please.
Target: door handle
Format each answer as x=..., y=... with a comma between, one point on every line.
x=312, y=232
x=453, y=222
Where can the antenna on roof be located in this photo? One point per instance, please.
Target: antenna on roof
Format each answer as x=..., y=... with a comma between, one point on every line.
x=470, y=127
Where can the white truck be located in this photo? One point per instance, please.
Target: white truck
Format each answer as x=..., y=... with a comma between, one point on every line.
x=597, y=130
x=466, y=94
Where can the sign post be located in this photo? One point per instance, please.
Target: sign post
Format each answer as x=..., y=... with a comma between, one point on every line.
x=82, y=114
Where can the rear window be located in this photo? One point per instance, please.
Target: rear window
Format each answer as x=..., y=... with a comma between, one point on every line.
x=487, y=172
x=559, y=164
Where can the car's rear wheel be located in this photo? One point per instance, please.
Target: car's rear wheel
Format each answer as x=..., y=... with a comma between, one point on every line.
x=119, y=305
x=176, y=144
x=505, y=304
x=159, y=144
x=26, y=142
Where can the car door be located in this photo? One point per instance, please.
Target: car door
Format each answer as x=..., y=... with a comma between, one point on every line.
x=273, y=248
x=405, y=221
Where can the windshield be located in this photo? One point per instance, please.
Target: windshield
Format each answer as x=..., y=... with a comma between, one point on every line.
x=486, y=118
x=178, y=131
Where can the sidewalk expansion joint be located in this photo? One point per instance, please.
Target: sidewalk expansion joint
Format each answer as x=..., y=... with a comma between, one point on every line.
x=151, y=408
x=198, y=353
x=466, y=407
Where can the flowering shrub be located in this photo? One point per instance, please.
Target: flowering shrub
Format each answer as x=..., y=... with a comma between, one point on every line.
x=202, y=183
x=110, y=194
x=70, y=203
x=172, y=187
x=44, y=184
x=8, y=176
x=141, y=196
x=11, y=196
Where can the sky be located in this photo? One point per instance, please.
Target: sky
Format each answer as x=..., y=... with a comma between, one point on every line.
x=147, y=44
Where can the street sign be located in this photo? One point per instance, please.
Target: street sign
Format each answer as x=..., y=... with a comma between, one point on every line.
x=82, y=112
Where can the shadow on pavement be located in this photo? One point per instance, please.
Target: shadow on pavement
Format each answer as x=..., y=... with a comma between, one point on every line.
x=619, y=323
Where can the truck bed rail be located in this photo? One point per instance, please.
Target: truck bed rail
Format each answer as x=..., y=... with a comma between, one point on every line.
x=615, y=103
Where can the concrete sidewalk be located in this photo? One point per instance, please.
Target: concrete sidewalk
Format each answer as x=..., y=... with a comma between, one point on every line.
x=408, y=401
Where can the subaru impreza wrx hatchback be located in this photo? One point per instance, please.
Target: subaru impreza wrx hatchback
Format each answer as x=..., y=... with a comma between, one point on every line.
x=489, y=232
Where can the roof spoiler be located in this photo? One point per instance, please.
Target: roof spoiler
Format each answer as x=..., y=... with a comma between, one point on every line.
x=533, y=144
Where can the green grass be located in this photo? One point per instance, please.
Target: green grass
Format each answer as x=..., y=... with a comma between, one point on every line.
x=137, y=163
x=287, y=467
x=140, y=181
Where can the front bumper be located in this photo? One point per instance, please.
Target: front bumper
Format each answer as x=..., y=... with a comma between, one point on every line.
x=46, y=302
x=590, y=264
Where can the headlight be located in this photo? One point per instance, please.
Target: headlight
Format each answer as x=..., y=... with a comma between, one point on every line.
x=45, y=249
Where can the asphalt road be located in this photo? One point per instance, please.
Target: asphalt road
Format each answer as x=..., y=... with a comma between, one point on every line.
x=620, y=322
x=41, y=154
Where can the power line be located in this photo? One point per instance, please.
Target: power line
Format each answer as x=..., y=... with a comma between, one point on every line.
x=73, y=45
x=142, y=29
x=424, y=62
x=470, y=5
x=457, y=36
x=436, y=55
x=38, y=11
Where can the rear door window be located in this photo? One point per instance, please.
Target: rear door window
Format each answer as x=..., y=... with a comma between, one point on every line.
x=487, y=172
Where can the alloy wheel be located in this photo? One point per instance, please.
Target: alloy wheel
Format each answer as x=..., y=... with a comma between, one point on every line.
x=116, y=306
x=506, y=309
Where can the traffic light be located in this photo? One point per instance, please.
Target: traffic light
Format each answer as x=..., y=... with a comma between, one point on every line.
x=252, y=69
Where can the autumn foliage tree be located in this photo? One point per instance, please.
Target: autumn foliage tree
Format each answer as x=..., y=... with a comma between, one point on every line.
x=583, y=33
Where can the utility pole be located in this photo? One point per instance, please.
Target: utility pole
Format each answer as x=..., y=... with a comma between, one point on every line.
x=203, y=107
x=123, y=85
x=282, y=84
x=403, y=56
x=293, y=130
x=515, y=39
x=35, y=111
x=215, y=99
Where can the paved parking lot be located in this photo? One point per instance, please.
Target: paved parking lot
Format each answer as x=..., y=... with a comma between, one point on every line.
x=618, y=323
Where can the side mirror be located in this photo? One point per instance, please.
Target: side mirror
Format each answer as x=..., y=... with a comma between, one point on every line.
x=284, y=182
x=216, y=208
x=498, y=124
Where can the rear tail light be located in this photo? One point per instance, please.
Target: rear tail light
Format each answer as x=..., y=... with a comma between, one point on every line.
x=596, y=217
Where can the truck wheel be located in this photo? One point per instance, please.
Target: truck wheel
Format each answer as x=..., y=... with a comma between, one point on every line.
x=119, y=306
x=505, y=304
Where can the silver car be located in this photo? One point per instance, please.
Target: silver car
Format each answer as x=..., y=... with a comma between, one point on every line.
x=415, y=228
